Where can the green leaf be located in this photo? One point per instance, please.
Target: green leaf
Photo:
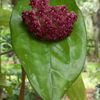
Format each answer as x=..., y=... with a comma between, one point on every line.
x=3, y=82
x=4, y=17
x=77, y=90
x=51, y=67
x=9, y=90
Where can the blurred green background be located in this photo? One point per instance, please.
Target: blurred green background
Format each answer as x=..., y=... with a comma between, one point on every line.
x=10, y=67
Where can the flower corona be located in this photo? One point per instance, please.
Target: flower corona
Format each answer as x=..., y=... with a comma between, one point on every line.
x=51, y=23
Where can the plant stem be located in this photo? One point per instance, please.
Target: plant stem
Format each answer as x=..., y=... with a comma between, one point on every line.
x=22, y=89
x=1, y=4
x=1, y=90
x=0, y=64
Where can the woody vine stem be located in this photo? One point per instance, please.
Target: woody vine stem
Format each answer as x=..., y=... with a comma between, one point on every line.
x=22, y=88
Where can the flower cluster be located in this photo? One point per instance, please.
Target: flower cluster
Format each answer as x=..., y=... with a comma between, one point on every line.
x=51, y=23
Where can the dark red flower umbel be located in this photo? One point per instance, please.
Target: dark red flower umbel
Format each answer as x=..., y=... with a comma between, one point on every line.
x=50, y=23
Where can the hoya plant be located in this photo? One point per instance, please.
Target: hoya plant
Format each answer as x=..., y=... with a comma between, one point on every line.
x=49, y=38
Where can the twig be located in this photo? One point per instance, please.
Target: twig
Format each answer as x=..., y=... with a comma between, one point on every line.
x=7, y=52
x=22, y=89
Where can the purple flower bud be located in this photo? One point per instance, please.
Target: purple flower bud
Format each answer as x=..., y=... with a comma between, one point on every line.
x=51, y=23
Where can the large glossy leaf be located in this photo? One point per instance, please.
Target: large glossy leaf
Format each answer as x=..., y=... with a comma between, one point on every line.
x=51, y=67
x=77, y=90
